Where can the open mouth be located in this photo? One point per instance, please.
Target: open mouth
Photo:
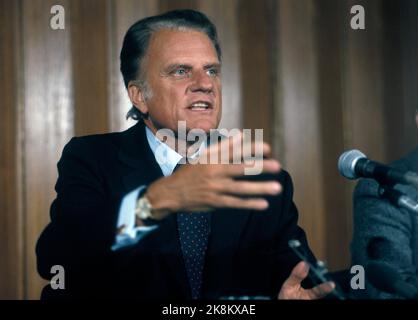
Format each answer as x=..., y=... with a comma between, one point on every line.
x=200, y=106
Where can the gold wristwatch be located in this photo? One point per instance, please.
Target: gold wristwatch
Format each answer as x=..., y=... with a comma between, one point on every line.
x=143, y=208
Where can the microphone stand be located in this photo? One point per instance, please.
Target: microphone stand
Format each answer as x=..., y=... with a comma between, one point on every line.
x=317, y=272
x=397, y=198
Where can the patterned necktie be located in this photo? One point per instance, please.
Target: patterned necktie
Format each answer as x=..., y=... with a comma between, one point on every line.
x=194, y=229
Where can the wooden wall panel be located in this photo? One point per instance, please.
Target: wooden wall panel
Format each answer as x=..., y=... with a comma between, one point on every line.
x=363, y=76
x=363, y=124
x=393, y=106
x=167, y=5
x=123, y=13
x=337, y=206
x=11, y=224
x=224, y=14
x=299, y=114
x=47, y=122
x=256, y=33
x=89, y=22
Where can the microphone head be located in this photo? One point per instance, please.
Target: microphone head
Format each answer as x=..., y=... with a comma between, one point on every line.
x=347, y=163
x=383, y=276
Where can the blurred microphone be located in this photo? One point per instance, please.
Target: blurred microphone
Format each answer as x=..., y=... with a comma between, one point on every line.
x=385, y=278
x=353, y=164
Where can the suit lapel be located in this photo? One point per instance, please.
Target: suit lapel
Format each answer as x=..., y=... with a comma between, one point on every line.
x=137, y=155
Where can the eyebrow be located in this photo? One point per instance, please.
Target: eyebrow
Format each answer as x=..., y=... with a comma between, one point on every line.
x=212, y=65
x=187, y=66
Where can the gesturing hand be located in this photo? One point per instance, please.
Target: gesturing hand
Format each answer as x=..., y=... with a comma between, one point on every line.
x=292, y=289
x=204, y=187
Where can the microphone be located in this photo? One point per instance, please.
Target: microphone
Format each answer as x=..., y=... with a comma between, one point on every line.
x=385, y=278
x=354, y=164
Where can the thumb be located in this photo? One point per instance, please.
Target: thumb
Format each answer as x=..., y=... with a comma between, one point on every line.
x=299, y=272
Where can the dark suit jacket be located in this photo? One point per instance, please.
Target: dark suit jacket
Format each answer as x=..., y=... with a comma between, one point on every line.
x=248, y=251
x=386, y=232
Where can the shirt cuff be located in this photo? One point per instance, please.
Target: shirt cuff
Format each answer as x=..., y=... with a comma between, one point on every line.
x=130, y=234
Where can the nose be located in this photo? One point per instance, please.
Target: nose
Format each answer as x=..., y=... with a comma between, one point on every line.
x=201, y=82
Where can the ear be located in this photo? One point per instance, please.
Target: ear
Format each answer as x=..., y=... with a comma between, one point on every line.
x=136, y=96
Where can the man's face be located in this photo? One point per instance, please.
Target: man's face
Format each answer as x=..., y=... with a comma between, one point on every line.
x=183, y=74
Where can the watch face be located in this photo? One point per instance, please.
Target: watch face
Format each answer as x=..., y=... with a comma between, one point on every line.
x=143, y=209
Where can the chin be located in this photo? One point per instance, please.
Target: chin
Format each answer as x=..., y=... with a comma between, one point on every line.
x=204, y=125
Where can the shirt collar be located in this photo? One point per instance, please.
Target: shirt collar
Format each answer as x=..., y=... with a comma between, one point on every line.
x=166, y=157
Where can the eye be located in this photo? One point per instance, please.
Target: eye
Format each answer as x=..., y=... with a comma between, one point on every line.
x=180, y=72
x=212, y=72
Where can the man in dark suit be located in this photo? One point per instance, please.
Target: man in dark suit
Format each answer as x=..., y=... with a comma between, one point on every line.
x=385, y=232
x=126, y=223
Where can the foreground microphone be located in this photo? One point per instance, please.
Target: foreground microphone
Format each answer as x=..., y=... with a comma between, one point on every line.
x=385, y=278
x=354, y=164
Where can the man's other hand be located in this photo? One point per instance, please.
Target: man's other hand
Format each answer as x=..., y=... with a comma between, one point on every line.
x=292, y=288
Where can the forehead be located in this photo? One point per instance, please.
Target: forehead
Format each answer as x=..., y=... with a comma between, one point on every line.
x=167, y=46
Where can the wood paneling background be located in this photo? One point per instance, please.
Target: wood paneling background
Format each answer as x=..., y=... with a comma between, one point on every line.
x=294, y=68
x=12, y=263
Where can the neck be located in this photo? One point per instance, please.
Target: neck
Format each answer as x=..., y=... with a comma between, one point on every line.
x=181, y=146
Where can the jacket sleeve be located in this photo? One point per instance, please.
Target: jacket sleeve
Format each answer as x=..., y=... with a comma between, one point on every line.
x=83, y=230
x=381, y=232
x=289, y=230
x=83, y=223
